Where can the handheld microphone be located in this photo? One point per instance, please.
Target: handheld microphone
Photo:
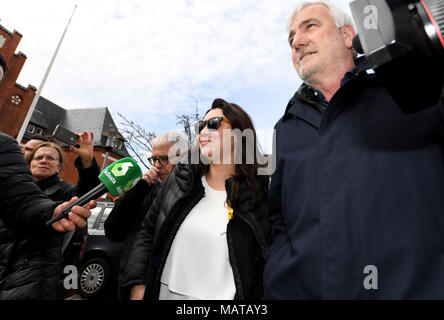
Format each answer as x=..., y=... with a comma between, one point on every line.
x=117, y=178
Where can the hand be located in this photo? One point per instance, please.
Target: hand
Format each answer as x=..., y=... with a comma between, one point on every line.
x=137, y=292
x=151, y=176
x=86, y=150
x=77, y=217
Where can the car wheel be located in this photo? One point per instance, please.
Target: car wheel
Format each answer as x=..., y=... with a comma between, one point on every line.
x=94, y=277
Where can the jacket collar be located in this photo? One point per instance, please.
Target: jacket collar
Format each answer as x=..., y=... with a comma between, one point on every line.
x=311, y=96
x=48, y=182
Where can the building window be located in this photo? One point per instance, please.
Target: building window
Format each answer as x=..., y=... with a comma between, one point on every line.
x=31, y=129
x=17, y=100
x=115, y=143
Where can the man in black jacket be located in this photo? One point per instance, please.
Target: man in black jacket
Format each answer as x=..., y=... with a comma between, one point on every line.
x=357, y=199
x=124, y=220
x=24, y=210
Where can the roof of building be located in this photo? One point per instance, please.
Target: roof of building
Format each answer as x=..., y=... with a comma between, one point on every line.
x=97, y=120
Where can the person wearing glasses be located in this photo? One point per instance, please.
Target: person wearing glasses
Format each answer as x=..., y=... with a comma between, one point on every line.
x=207, y=233
x=29, y=250
x=130, y=209
x=46, y=162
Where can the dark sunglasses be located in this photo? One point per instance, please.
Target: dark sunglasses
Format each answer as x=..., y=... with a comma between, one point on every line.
x=163, y=160
x=212, y=124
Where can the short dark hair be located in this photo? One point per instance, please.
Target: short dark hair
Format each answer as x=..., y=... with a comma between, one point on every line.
x=3, y=63
x=39, y=137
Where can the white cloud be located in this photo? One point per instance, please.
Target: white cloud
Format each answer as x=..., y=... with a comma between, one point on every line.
x=152, y=58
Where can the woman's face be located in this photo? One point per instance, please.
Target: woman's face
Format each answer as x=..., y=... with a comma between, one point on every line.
x=45, y=163
x=217, y=145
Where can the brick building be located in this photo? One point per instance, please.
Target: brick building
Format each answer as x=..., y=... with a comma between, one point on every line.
x=108, y=143
x=15, y=101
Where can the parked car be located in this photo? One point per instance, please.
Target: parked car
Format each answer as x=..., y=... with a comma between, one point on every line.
x=99, y=269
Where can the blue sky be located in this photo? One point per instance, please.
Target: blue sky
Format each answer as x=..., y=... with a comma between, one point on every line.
x=150, y=60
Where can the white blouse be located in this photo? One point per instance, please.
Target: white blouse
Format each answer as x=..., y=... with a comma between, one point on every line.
x=198, y=265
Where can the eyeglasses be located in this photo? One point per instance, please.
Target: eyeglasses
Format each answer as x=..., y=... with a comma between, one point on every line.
x=48, y=158
x=163, y=160
x=212, y=124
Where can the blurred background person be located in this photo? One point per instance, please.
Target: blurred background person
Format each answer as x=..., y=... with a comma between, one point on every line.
x=28, y=260
x=206, y=234
x=29, y=147
x=130, y=210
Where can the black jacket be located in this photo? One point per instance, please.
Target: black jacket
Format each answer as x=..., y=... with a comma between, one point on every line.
x=24, y=209
x=36, y=263
x=358, y=184
x=248, y=234
x=124, y=221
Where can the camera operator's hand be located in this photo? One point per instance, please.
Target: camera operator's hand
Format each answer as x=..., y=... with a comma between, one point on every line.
x=151, y=176
x=86, y=149
x=77, y=218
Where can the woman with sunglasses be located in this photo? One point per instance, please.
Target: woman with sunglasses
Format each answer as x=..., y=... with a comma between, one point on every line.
x=39, y=263
x=206, y=235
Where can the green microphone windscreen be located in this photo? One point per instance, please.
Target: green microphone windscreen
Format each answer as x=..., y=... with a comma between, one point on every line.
x=121, y=176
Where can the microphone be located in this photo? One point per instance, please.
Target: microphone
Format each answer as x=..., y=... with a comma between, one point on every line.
x=117, y=178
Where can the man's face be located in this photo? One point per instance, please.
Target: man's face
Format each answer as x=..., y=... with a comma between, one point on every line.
x=29, y=148
x=317, y=44
x=162, y=151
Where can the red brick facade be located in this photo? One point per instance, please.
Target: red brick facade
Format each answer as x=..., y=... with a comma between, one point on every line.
x=15, y=100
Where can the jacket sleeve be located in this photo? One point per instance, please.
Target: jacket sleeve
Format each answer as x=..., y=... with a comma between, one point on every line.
x=441, y=104
x=126, y=213
x=88, y=177
x=138, y=262
x=24, y=208
x=275, y=214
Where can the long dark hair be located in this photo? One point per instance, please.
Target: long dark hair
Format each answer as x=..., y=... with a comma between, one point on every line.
x=247, y=171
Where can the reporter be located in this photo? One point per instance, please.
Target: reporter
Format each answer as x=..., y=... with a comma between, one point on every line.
x=26, y=243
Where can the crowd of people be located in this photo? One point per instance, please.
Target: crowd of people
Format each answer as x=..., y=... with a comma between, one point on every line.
x=357, y=184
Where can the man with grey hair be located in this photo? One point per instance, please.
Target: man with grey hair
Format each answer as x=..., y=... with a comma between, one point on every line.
x=130, y=210
x=357, y=198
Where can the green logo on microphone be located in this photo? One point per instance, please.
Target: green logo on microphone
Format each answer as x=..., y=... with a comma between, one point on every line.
x=121, y=169
x=121, y=176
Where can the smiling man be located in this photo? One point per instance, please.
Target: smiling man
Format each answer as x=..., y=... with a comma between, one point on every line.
x=357, y=199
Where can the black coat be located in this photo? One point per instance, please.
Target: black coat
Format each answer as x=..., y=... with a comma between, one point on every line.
x=358, y=184
x=24, y=209
x=124, y=221
x=247, y=234
x=36, y=263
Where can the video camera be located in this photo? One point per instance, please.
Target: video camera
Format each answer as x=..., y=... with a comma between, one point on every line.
x=403, y=41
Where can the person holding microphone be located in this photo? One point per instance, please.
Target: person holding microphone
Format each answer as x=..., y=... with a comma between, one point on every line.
x=25, y=262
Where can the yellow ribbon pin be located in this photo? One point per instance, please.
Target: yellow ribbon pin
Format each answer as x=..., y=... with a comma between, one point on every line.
x=230, y=211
